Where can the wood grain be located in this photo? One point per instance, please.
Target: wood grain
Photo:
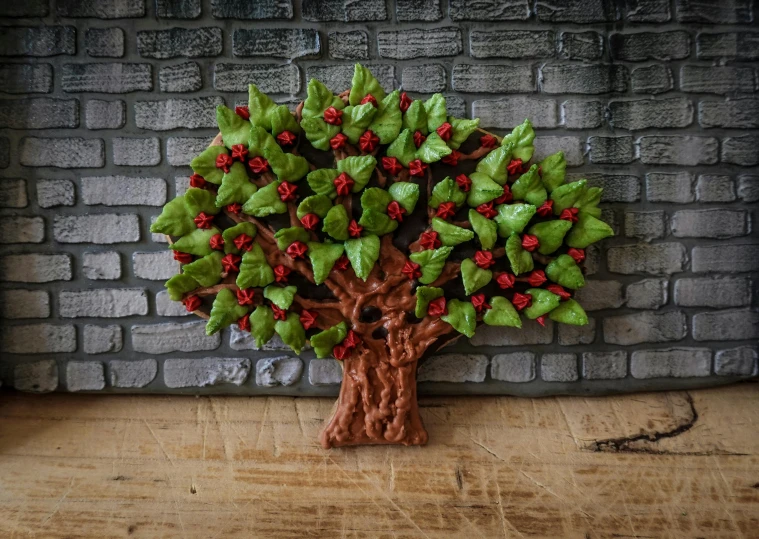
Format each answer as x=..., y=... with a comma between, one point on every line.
x=658, y=465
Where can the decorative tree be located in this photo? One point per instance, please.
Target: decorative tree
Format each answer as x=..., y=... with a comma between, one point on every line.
x=494, y=241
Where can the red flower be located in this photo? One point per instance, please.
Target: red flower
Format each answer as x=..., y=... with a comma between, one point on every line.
x=577, y=254
x=308, y=318
x=258, y=165
x=368, y=141
x=369, y=98
x=546, y=209
x=514, y=167
x=333, y=116
x=484, y=259
x=505, y=280
x=445, y=131
x=192, y=303
x=243, y=112
x=541, y=320
x=487, y=210
x=230, y=263
x=530, y=242
x=184, y=258
x=203, y=220
x=559, y=291
x=437, y=307
x=309, y=221
x=395, y=211
x=537, y=278
x=343, y=183
x=239, y=152
x=286, y=138
x=446, y=210
x=405, y=102
x=224, y=161
x=412, y=270
x=342, y=263
x=280, y=273
x=296, y=250
x=235, y=208
x=244, y=323
x=279, y=314
x=505, y=197
x=521, y=301
x=340, y=352
x=419, y=138
x=287, y=191
x=197, y=181
x=478, y=300
x=338, y=141
x=464, y=182
x=569, y=214
x=452, y=159
x=354, y=229
x=243, y=242
x=488, y=141
x=216, y=242
x=352, y=340
x=417, y=168
x=430, y=240
x=245, y=297
x=392, y=165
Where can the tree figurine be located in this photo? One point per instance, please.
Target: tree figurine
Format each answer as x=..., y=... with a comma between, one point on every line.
x=291, y=227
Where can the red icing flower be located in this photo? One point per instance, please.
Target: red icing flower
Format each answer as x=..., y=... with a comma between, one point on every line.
x=577, y=254
x=446, y=210
x=197, y=181
x=445, y=131
x=478, y=300
x=287, y=191
x=405, y=102
x=338, y=141
x=184, y=258
x=546, y=209
x=541, y=320
x=354, y=229
x=505, y=197
x=352, y=340
x=419, y=138
x=464, y=182
x=296, y=250
x=569, y=214
x=216, y=242
x=437, y=307
x=417, y=168
x=244, y=323
x=484, y=259
x=487, y=210
x=308, y=318
x=343, y=184
x=224, y=161
x=309, y=221
x=239, y=152
x=258, y=165
x=243, y=112
x=537, y=278
x=203, y=220
x=341, y=352
x=514, y=167
x=286, y=138
x=395, y=211
x=530, y=242
x=243, y=242
x=231, y=263
x=412, y=270
x=342, y=263
x=192, y=303
x=245, y=297
x=559, y=291
x=333, y=116
x=430, y=240
x=280, y=273
x=505, y=280
x=452, y=159
x=392, y=165
x=369, y=98
x=368, y=141
x=521, y=301
x=488, y=141
x=279, y=314
x=235, y=208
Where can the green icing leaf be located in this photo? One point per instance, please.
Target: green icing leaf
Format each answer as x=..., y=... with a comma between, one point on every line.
x=205, y=164
x=287, y=166
x=415, y=118
x=356, y=120
x=375, y=222
x=550, y=234
x=206, y=270
x=502, y=313
x=406, y=194
x=231, y=233
x=234, y=129
x=179, y=285
x=387, y=122
x=447, y=191
x=552, y=171
x=565, y=271
x=529, y=187
x=495, y=163
x=375, y=199
x=320, y=181
x=450, y=234
x=291, y=332
x=588, y=202
x=513, y=218
x=260, y=107
x=200, y=200
x=283, y=120
x=588, y=230
x=425, y=294
x=281, y=296
x=316, y=204
x=285, y=236
x=262, y=325
x=436, y=113
x=196, y=242
x=319, y=99
x=265, y=202
x=483, y=190
x=261, y=143
x=225, y=311
x=235, y=186
x=363, y=253
x=569, y=312
x=519, y=258
x=433, y=149
x=462, y=128
x=324, y=341
x=336, y=223
x=318, y=132
x=431, y=262
x=359, y=168
x=474, y=277
x=363, y=84
x=174, y=220
x=255, y=271
x=522, y=137
x=566, y=195
x=543, y=302
x=403, y=147
x=462, y=316
x=323, y=257
x=486, y=229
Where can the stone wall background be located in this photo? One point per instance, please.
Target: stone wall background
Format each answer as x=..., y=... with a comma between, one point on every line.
x=104, y=102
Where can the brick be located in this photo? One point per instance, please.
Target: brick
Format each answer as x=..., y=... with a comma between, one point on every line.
x=30, y=8
x=35, y=268
x=173, y=337
x=530, y=333
x=738, y=113
x=582, y=114
x=270, y=78
x=209, y=371
x=102, y=9
x=508, y=112
x=577, y=11
x=39, y=113
x=735, y=362
x=647, y=294
x=570, y=335
x=260, y=9
x=559, y=368
x=671, y=363
x=716, y=79
x=713, y=292
x=732, y=325
x=592, y=259
x=581, y=45
x=571, y=146
x=243, y=340
x=180, y=78
x=104, y=265
x=654, y=79
x=650, y=113
x=512, y=44
x=26, y=78
x=597, y=295
x=51, y=193
x=678, y=150
x=136, y=152
x=640, y=46
x=339, y=77
x=22, y=303
x=104, y=42
x=645, y=225
x=611, y=149
x=456, y=368
x=408, y=44
x=648, y=11
x=344, y=10
x=456, y=106
x=38, y=339
x=181, y=185
x=735, y=258
x=426, y=79
x=669, y=187
x=132, y=374
x=489, y=10
x=123, y=190
x=278, y=371
x=181, y=150
x=5, y=152
x=13, y=193
x=583, y=79
x=179, y=42
x=164, y=306
x=177, y=9
x=743, y=151
x=715, y=188
x=103, y=303
x=748, y=188
x=492, y=79
x=657, y=259
x=617, y=187
x=102, y=339
x=418, y=10
x=324, y=372
x=730, y=46
x=111, y=78
x=36, y=377
x=710, y=223
x=349, y=45
x=604, y=365
x=644, y=327
x=735, y=11
x=40, y=41
x=155, y=266
x=516, y=367
x=176, y=113
x=105, y=114
x=288, y=43
x=609, y=216
x=19, y=229
x=105, y=228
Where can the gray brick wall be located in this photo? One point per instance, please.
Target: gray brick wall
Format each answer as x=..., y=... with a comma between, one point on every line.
x=103, y=104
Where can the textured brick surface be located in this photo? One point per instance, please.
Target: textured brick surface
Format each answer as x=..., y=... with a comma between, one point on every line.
x=38, y=41
x=645, y=327
x=100, y=228
x=39, y=113
x=647, y=294
x=713, y=292
x=454, y=368
x=405, y=45
x=105, y=265
x=261, y=9
x=101, y=114
x=730, y=325
x=180, y=78
x=102, y=339
x=506, y=113
x=276, y=43
x=344, y=10
x=26, y=78
x=715, y=188
x=167, y=337
x=23, y=303
x=103, y=303
x=678, y=150
x=205, y=372
x=492, y=79
x=709, y=223
x=36, y=377
x=735, y=362
x=136, y=152
x=670, y=187
x=132, y=374
x=558, y=367
x=176, y=42
x=654, y=79
x=38, y=339
x=35, y=268
x=428, y=78
x=22, y=230
x=640, y=46
x=581, y=45
x=583, y=79
x=102, y=9
x=604, y=365
x=517, y=367
x=349, y=45
x=672, y=362
x=13, y=194
x=72, y=152
x=512, y=44
x=85, y=376
x=104, y=42
x=738, y=257
x=176, y=113
x=270, y=78
x=111, y=78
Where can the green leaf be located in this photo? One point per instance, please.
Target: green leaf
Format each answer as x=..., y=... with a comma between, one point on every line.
x=285, y=236
x=205, y=164
x=225, y=311
x=323, y=257
x=234, y=129
x=363, y=84
x=564, y=270
x=403, y=148
x=196, y=242
x=462, y=316
x=474, y=277
x=387, y=122
x=318, y=132
x=174, y=220
x=436, y=113
x=179, y=285
x=319, y=99
x=550, y=234
x=232, y=232
x=206, y=270
x=287, y=166
x=316, y=204
x=283, y=120
x=265, y=202
x=483, y=190
x=543, y=302
x=513, y=218
x=462, y=128
x=336, y=223
x=363, y=253
x=486, y=229
x=406, y=194
x=320, y=181
x=569, y=312
x=502, y=313
x=431, y=262
x=552, y=171
x=588, y=202
x=519, y=258
x=425, y=294
x=415, y=118
x=324, y=341
x=235, y=186
x=260, y=107
x=450, y=234
x=359, y=168
x=529, y=187
x=566, y=195
x=433, y=149
x=522, y=137
x=261, y=143
x=495, y=163
x=262, y=325
x=375, y=199
x=255, y=271
x=447, y=191
x=200, y=200
x=588, y=230
x=291, y=332
x=356, y=120
x=375, y=222
x=281, y=296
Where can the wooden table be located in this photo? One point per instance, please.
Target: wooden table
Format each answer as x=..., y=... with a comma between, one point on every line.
x=650, y=465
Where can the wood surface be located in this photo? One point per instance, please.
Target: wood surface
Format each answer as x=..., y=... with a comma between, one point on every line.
x=676, y=464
